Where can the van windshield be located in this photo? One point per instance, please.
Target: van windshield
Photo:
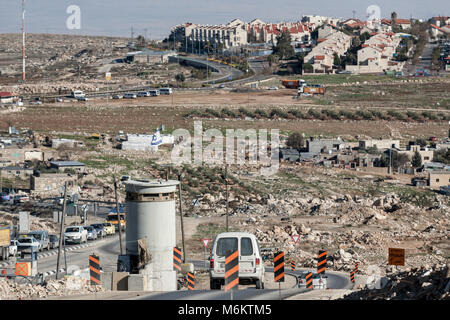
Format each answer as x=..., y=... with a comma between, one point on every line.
x=246, y=247
x=37, y=236
x=225, y=244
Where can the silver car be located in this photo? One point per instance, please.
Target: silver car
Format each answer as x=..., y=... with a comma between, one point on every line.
x=91, y=233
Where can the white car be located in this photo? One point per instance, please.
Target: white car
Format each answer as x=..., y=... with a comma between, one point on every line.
x=129, y=96
x=75, y=234
x=319, y=280
x=251, y=267
x=82, y=99
x=273, y=88
x=26, y=242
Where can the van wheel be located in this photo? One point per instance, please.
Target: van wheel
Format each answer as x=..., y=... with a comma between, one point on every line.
x=259, y=284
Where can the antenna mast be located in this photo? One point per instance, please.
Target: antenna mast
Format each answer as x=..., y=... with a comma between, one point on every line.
x=23, y=40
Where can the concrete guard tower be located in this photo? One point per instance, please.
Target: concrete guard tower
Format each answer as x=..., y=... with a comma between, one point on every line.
x=150, y=207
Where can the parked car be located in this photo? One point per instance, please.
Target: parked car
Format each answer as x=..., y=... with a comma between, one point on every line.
x=59, y=100
x=319, y=280
x=154, y=93
x=91, y=232
x=101, y=232
x=109, y=228
x=42, y=237
x=143, y=94
x=26, y=242
x=13, y=247
x=54, y=241
x=82, y=99
x=251, y=268
x=75, y=234
x=129, y=96
x=36, y=101
x=117, y=96
x=20, y=199
x=273, y=88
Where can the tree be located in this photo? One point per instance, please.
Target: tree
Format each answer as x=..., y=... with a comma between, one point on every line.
x=364, y=36
x=284, y=48
x=442, y=156
x=399, y=159
x=295, y=141
x=180, y=77
x=140, y=41
x=337, y=60
x=273, y=59
x=421, y=142
x=416, y=160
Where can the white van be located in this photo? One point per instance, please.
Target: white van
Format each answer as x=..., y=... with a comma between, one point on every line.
x=165, y=91
x=251, y=267
x=78, y=94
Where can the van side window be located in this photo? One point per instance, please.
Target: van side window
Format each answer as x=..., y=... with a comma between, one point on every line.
x=225, y=244
x=246, y=247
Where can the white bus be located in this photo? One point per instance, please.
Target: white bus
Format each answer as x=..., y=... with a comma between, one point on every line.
x=78, y=94
x=165, y=91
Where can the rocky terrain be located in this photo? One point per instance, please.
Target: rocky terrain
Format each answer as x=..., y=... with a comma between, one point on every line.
x=423, y=283
x=10, y=290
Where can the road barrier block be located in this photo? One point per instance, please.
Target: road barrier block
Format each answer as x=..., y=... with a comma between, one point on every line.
x=94, y=270
x=231, y=270
x=322, y=262
x=191, y=281
x=176, y=259
x=292, y=265
x=309, y=280
x=356, y=267
x=352, y=276
x=278, y=267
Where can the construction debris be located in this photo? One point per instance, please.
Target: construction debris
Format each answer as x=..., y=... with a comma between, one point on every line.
x=420, y=283
x=10, y=290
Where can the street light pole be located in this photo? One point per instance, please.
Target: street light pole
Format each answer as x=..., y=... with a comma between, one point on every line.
x=118, y=216
x=226, y=194
x=61, y=234
x=180, y=176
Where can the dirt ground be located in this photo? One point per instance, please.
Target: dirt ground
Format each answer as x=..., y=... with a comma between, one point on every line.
x=144, y=114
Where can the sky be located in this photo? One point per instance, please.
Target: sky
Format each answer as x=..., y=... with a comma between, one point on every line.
x=155, y=17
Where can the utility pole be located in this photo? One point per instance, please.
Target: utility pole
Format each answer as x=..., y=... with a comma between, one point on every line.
x=226, y=194
x=61, y=233
x=118, y=216
x=180, y=176
x=23, y=40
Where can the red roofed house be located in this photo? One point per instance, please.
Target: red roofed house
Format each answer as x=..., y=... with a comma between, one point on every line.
x=404, y=23
x=7, y=97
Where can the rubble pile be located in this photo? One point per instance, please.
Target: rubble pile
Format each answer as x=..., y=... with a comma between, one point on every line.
x=10, y=290
x=419, y=283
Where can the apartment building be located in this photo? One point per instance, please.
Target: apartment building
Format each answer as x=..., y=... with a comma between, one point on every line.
x=377, y=54
x=260, y=31
x=232, y=34
x=321, y=57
